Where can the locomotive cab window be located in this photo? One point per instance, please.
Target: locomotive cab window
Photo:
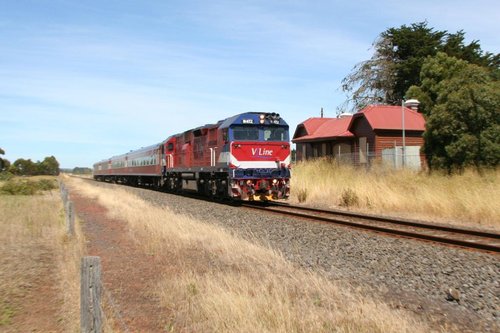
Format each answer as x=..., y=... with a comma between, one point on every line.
x=255, y=133
x=275, y=134
x=249, y=133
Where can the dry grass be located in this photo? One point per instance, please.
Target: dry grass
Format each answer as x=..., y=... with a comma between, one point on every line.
x=468, y=199
x=216, y=282
x=33, y=244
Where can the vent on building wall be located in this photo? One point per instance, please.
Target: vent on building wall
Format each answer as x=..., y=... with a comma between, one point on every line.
x=345, y=115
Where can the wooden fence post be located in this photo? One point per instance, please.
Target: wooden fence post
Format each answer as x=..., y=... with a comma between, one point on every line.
x=70, y=218
x=90, y=295
x=64, y=196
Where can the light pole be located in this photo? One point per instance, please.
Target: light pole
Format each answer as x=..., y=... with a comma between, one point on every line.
x=403, y=127
x=411, y=104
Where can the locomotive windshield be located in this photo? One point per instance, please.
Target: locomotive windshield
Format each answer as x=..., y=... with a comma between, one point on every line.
x=275, y=134
x=259, y=133
x=245, y=133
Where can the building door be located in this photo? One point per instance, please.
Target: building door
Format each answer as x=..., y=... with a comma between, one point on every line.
x=362, y=150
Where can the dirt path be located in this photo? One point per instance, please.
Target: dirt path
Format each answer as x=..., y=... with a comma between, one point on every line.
x=129, y=274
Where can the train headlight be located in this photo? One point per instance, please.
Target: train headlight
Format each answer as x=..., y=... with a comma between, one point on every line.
x=274, y=118
x=262, y=118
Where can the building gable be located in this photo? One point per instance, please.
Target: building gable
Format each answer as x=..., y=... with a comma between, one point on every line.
x=321, y=128
x=300, y=131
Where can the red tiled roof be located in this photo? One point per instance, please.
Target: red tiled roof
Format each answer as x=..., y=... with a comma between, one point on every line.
x=390, y=118
x=320, y=128
x=312, y=124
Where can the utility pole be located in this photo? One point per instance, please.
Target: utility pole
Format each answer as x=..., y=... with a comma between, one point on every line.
x=403, y=125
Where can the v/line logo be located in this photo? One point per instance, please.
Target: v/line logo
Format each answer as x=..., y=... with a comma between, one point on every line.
x=262, y=152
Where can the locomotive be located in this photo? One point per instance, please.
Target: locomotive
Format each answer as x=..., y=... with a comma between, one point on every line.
x=244, y=157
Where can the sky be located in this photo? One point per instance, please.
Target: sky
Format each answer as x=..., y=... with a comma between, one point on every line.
x=84, y=80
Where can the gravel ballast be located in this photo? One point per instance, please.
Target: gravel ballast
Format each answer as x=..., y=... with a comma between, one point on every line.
x=444, y=284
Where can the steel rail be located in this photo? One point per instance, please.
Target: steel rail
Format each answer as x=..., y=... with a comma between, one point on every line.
x=479, y=241
x=399, y=221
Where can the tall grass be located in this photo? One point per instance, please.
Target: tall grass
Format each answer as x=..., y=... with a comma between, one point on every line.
x=217, y=282
x=468, y=198
x=33, y=244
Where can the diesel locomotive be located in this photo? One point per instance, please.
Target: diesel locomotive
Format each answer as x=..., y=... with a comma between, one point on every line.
x=244, y=157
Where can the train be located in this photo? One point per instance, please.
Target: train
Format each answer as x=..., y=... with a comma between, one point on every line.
x=244, y=157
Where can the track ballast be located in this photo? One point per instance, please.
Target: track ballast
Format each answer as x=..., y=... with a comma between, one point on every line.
x=438, y=233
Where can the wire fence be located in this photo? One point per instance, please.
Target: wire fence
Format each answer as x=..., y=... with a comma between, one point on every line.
x=392, y=158
x=92, y=316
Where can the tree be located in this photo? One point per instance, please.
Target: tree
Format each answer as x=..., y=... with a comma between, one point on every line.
x=398, y=59
x=434, y=76
x=49, y=166
x=454, y=46
x=24, y=167
x=81, y=171
x=461, y=102
x=2, y=163
x=5, y=164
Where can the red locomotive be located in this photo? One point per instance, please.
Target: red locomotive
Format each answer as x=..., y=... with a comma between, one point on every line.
x=244, y=157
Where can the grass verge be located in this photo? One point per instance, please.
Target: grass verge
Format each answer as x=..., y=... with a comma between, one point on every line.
x=216, y=282
x=34, y=248
x=468, y=199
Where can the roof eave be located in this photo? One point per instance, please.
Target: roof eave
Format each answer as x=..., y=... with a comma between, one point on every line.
x=350, y=137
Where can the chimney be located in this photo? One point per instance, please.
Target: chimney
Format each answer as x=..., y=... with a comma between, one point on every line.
x=412, y=104
x=321, y=112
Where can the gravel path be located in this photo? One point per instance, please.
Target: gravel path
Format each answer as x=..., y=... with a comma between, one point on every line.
x=406, y=273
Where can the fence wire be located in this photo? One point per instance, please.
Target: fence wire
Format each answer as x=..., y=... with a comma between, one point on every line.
x=391, y=159
x=117, y=316
x=116, y=311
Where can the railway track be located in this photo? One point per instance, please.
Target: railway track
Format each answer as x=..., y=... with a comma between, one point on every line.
x=444, y=234
x=467, y=238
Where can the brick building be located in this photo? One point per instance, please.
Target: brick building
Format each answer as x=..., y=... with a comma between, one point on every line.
x=374, y=133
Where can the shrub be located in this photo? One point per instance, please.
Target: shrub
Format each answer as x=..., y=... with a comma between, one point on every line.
x=4, y=176
x=349, y=198
x=302, y=195
x=46, y=184
x=26, y=187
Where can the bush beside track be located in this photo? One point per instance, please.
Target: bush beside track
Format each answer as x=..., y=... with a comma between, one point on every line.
x=26, y=186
